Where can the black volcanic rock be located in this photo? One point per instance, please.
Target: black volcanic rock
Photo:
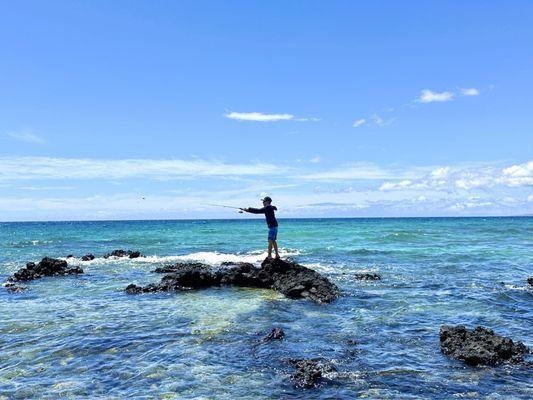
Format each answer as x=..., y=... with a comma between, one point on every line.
x=47, y=267
x=123, y=253
x=308, y=373
x=530, y=280
x=274, y=334
x=293, y=280
x=366, y=276
x=87, y=257
x=480, y=346
x=179, y=266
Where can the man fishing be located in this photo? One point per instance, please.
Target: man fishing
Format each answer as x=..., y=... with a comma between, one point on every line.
x=268, y=209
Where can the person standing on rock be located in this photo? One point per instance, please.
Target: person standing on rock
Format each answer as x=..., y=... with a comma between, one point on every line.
x=268, y=209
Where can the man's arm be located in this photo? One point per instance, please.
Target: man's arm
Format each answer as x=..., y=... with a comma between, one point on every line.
x=254, y=210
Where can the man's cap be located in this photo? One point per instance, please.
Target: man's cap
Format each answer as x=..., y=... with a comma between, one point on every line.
x=266, y=198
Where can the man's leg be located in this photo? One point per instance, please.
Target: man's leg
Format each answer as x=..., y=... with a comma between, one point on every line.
x=270, y=248
x=275, y=248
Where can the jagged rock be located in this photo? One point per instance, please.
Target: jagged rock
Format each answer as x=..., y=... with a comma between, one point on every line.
x=366, y=276
x=176, y=267
x=87, y=257
x=480, y=346
x=308, y=373
x=124, y=253
x=530, y=280
x=293, y=280
x=47, y=267
x=274, y=334
x=70, y=256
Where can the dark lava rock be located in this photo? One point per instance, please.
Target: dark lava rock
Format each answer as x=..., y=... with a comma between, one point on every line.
x=47, y=267
x=178, y=266
x=480, y=346
x=530, y=280
x=293, y=280
x=308, y=373
x=70, y=256
x=12, y=288
x=274, y=334
x=87, y=257
x=365, y=276
x=124, y=253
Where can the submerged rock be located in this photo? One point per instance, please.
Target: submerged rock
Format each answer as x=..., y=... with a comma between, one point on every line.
x=87, y=257
x=530, y=280
x=274, y=334
x=12, y=288
x=47, y=267
x=293, y=280
x=308, y=373
x=124, y=253
x=366, y=276
x=480, y=346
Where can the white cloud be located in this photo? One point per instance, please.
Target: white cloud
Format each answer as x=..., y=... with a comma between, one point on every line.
x=26, y=136
x=530, y=198
x=359, y=122
x=315, y=160
x=466, y=178
x=262, y=117
x=470, y=92
x=13, y=168
x=428, y=96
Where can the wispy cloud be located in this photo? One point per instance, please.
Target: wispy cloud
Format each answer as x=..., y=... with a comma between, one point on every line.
x=470, y=92
x=428, y=96
x=357, y=171
x=315, y=160
x=26, y=136
x=450, y=179
x=262, y=117
x=359, y=122
x=13, y=168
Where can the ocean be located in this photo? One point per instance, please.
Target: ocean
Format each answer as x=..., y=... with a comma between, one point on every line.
x=83, y=337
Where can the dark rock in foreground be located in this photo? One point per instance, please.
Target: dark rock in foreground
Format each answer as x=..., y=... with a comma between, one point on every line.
x=274, y=334
x=124, y=253
x=47, y=267
x=308, y=373
x=480, y=346
x=87, y=257
x=365, y=276
x=293, y=280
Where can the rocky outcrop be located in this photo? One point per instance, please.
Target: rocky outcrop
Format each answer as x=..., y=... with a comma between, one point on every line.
x=124, y=253
x=87, y=257
x=46, y=267
x=309, y=373
x=530, y=280
x=366, y=276
x=480, y=346
x=274, y=334
x=293, y=280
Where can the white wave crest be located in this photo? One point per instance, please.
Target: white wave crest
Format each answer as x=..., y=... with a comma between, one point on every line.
x=206, y=257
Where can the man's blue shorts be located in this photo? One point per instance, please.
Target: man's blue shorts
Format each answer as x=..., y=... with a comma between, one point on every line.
x=273, y=233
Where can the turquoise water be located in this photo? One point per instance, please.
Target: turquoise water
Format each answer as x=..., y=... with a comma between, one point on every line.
x=75, y=337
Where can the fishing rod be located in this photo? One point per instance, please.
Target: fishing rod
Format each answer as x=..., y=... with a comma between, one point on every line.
x=222, y=205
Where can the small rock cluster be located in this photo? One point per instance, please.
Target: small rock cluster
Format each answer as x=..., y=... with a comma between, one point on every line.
x=124, y=253
x=46, y=267
x=480, y=346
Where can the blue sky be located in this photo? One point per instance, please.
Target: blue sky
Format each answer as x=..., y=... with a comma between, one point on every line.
x=112, y=110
